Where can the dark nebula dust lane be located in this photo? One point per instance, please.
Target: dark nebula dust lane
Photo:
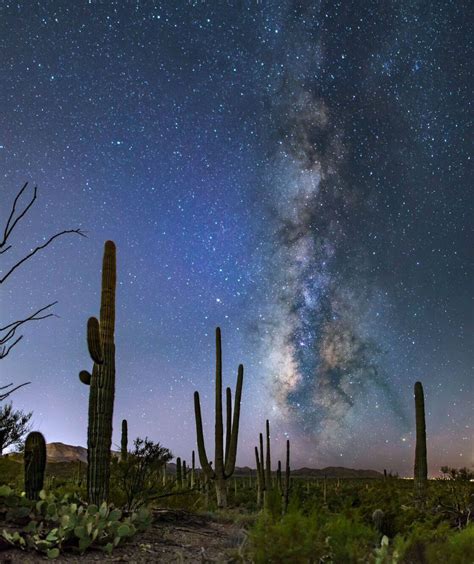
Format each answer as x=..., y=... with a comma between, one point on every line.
x=351, y=180
x=294, y=172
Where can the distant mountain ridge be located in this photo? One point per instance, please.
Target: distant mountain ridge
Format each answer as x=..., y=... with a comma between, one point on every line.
x=60, y=452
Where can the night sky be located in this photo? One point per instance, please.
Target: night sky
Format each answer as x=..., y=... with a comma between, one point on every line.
x=296, y=173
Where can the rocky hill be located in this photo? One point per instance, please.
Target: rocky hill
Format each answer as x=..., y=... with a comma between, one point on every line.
x=59, y=452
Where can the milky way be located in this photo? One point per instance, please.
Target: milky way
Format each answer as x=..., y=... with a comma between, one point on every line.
x=323, y=360
x=322, y=323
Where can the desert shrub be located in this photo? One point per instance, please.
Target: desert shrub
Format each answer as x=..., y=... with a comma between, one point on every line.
x=411, y=548
x=463, y=474
x=273, y=503
x=426, y=544
x=316, y=537
x=137, y=479
x=349, y=540
x=11, y=472
x=295, y=538
x=458, y=548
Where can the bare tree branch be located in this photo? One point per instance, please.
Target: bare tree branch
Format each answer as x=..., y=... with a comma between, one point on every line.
x=11, y=328
x=35, y=250
x=4, y=395
x=8, y=336
x=6, y=349
x=9, y=228
x=13, y=221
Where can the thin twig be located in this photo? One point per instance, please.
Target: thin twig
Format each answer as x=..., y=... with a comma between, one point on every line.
x=6, y=394
x=9, y=229
x=39, y=248
x=32, y=317
x=11, y=329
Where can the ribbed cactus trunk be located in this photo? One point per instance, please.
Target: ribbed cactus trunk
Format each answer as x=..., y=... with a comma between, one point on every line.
x=224, y=462
x=179, y=476
x=421, y=464
x=268, y=468
x=262, y=462
x=124, y=440
x=35, y=464
x=259, y=478
x=193, y=470
x=279, y=483
x=100, y=340
x=286, y=493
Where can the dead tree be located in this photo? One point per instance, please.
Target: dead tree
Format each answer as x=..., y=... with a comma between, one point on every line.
x=9, y=336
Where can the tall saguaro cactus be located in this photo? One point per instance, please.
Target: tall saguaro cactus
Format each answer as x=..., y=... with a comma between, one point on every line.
x=421, y=464
x=100, y=341
x=224, y=462
x=35, y=464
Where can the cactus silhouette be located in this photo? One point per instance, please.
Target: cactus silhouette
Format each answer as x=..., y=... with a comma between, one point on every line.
x=101, y=345
x=421, y=464
x=260, y=478
x=286, y=490
x=179, y=476
x=124, y=440
x=262, y=464
x=224, y=462
x=35, y=464
x=193, y=470
x=279, y=482
x=268, y=459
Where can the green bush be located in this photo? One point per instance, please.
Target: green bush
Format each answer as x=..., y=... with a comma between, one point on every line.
x=435, y=545
x=350, y=540
x=458, y=548
x=136, y=479
x=295, y=538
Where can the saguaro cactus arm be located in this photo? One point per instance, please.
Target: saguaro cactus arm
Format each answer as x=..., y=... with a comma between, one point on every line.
x=262, y=460
x=268, y=469
x=219, y=429
x=228, y=428
x=259, y=466
x=286, y=494
x=206, y=467
x=257, y=461
x=85, y=377
x=232, y=456
x=93, y=340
